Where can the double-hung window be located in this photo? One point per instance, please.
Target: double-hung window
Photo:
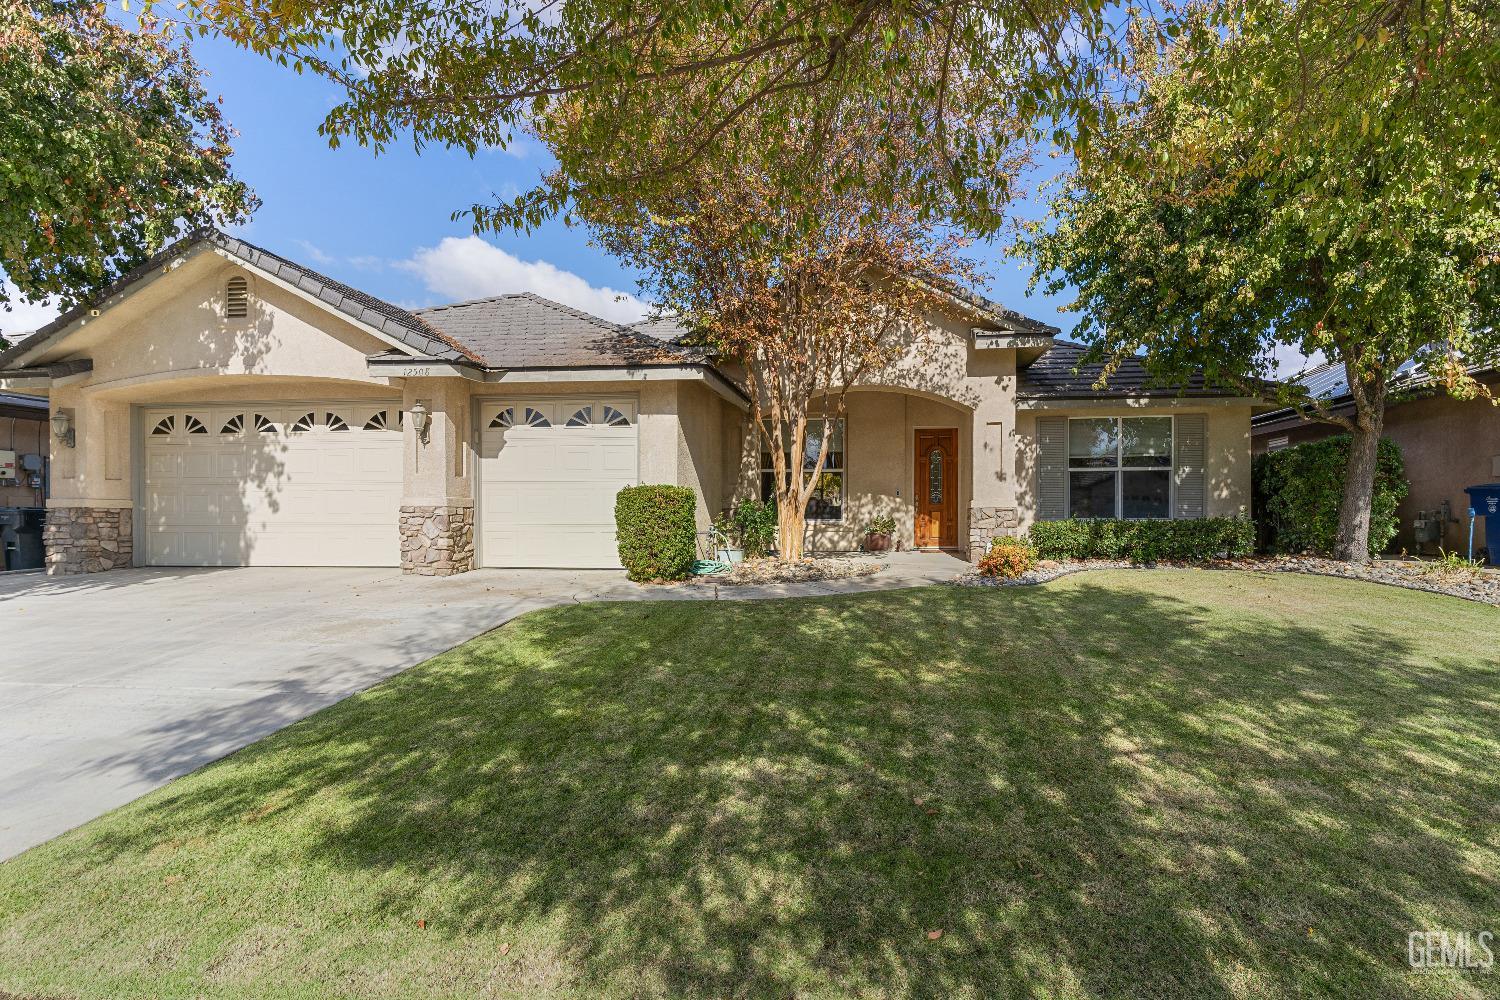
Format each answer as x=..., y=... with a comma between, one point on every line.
x=1120, y=467
x=827, y=500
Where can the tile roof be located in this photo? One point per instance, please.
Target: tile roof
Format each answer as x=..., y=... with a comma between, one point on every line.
x=1057, y=374
x=391, y=320
x=524, y=330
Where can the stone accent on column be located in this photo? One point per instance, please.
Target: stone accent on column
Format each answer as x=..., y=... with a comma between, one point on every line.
x=87, y=539
x=437, y=540
x=987, y=522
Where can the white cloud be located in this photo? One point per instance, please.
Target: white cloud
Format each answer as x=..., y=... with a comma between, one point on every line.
x=315, y=253
x=470, y=268
x=1290, y=361
x=23, y=317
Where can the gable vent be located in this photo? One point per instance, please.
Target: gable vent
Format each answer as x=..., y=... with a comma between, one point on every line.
x=236, y=298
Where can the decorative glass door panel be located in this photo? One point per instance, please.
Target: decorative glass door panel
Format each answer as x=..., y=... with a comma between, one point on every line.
x=937, y=488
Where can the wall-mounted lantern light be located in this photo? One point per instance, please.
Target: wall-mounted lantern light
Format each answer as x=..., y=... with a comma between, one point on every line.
x=421, y=419
x=62, y=427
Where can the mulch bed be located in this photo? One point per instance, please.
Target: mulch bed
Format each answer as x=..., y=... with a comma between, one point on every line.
x=1482, y=586
x=759, y=572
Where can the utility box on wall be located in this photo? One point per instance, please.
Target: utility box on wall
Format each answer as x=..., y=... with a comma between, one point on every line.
x=8, y=470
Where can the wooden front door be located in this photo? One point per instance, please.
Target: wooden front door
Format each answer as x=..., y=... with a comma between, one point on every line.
x=937, y=488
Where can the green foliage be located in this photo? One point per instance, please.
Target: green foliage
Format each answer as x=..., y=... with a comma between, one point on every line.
x=1298, y=490
x=885, y=524
x=657, y=530
x=1144, y=541
x=648, y=89
x=109, y=146
x=1008, y=558
x=1222, y=220
x=755, y=520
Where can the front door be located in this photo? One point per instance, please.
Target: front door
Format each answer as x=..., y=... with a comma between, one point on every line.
x=937, y=488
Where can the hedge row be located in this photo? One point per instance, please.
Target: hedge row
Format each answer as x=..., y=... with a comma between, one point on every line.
x=1144, y=541
x=657, y=531
x=1298, y=491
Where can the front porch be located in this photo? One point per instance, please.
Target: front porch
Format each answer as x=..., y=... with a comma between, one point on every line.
x=932, y=464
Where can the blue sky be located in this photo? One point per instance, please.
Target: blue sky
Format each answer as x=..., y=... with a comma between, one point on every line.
x=383, y=223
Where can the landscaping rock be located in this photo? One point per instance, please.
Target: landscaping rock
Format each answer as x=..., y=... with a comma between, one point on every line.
x=757, y=572
x=1472, y=585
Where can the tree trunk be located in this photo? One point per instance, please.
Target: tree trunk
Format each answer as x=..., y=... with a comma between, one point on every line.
x=791, y=527
x=1352, y=543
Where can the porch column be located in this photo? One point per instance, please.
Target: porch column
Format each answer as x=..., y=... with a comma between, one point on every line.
x=90, y=513
x=992, y=504
x=437, y=503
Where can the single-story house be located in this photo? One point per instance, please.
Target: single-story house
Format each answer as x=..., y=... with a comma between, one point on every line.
x=230, y=407
x=1447, y=443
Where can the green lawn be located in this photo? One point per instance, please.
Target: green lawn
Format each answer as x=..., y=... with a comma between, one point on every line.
x=1176, y=783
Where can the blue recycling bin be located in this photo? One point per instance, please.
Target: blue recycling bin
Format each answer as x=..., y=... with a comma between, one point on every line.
x=1486, y=503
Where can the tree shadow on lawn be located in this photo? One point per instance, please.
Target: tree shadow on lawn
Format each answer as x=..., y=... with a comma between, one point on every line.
x=1092, y=790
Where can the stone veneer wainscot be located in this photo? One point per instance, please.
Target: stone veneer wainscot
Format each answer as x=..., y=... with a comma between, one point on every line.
x=437, y=540
x=985, y=523
x=87, y=539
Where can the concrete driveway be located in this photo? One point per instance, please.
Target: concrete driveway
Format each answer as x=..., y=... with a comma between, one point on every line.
x=114, y=684
x=111, y=685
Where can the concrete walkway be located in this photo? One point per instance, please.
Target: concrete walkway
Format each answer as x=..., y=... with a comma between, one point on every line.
x=112, y=685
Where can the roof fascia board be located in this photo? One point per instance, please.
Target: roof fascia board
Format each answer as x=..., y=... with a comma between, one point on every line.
x=1134, y=402
x=420, y=368
x=635, y=373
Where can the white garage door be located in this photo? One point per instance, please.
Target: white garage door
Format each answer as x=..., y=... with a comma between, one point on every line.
x=549, y=472
x=286, y=484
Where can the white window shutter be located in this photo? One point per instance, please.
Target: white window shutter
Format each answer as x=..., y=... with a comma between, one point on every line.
x=1190, y=443
x=1051, y=468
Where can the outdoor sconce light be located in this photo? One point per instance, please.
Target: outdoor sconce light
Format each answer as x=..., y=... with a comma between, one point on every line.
x=62, y=427
x=421, y=419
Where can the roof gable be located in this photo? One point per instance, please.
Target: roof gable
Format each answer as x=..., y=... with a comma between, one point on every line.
x=387, y=321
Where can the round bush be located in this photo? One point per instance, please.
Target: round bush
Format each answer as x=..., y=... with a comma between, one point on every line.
x=657, y=528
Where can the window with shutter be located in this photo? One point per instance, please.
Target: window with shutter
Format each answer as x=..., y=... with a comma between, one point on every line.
x=1191, y=450
x=1052, y=468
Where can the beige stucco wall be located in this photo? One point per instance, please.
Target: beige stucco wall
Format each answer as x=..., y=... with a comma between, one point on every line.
x=167, y=341
x=880, y=442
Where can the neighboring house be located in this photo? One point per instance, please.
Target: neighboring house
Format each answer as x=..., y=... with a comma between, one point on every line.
x=1447, y=443
x=23, y=432
x=234, y=408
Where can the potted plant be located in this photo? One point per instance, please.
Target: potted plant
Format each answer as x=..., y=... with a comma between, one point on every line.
x=880, y=534
x=726, y=541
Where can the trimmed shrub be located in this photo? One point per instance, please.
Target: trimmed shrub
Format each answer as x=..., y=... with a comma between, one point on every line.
x=657, y=528
x=1144, y=541
x=1008, y=558
x=1298, y=491
x=755, y=521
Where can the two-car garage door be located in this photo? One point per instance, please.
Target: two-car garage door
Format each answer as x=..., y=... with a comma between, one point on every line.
x=316, y=483
x=549, y=471
x=287, y=484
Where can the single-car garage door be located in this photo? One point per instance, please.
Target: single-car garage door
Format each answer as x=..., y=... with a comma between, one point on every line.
x=549, y=472
x=284, y=484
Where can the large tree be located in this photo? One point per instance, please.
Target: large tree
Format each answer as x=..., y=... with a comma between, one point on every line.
x=1184, y=240
x=109, y=147
x=810, y=298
